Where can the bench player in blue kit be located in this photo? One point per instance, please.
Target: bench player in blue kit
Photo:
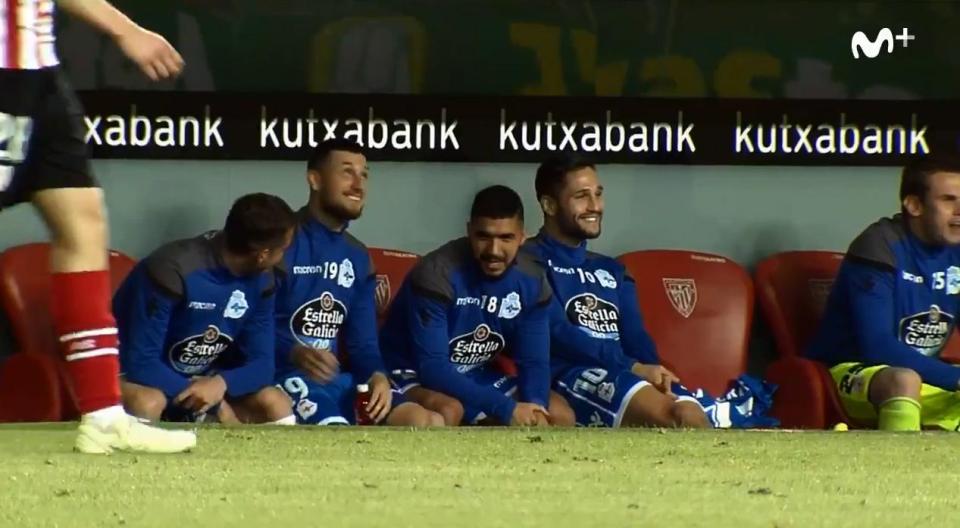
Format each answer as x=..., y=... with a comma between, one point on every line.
x=464, y=304
x=326, y=304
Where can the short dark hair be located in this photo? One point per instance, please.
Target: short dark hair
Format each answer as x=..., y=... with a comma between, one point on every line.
x=257, y=221
x=915, y=178
x=320, y=154
x=552, y=173
x=497, y=201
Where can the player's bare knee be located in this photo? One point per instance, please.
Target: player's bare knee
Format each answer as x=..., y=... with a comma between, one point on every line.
x=648, y=408
x=895, y=382
x=143, y=402
x=561, y=414
x=273, y=403
x=452, y=411
x=421, y=417
x=436, y=420
x=690, y=415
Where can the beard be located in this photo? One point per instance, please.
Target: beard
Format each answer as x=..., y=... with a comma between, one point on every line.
x=570, y=227
x=339, y=210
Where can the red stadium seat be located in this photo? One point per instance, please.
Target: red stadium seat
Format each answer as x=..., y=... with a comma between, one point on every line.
x=392, y=267
x=25, y=297
x=698, y=308
x=792, y=289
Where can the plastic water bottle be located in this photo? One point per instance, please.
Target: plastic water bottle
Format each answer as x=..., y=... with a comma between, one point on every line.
x=360, y=405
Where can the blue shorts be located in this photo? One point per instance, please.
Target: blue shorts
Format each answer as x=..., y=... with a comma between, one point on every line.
x=405, y=379
x=599, y=397
x=316, y=403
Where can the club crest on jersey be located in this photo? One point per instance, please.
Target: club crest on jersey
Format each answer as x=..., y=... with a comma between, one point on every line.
x=595, y=316
x=382, y=294
x=306, y=408
x=196, y=353
x=682, y=294
x=953, y=280
x=926, y=332
x=316, y=323
x=510, y=307
x=476, y=347
x=346, y=276
x=605, y=278
x=236, y=306
x=819, y=292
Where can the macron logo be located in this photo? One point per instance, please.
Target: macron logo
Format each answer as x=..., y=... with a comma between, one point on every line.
x=197, y=305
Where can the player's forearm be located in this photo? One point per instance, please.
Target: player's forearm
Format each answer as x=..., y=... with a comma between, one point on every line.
x=533, y=359
x=157, y=375
x=250, y=377
x=365, y=362
x=895, y=354
x=99, y=14
x=443, y=378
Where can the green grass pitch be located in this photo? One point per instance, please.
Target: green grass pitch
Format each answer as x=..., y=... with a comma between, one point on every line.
x=368, y=477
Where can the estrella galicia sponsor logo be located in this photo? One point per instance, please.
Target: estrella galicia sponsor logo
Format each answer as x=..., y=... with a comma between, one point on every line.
x=928, y=331
x=316, y=323
x=196, y=353
x=595, y=316
x=476, y=347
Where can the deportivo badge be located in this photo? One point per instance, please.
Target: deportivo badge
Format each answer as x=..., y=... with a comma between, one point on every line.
x=682, y=294
x=347, y=275
x=382, y=293
x=236, y=306
x=510, y=307
x=605, y=278
x=953, y=280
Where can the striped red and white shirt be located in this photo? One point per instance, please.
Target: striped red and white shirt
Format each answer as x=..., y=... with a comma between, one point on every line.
x=27, y=41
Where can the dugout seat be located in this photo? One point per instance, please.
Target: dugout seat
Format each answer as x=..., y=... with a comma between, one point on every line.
x=698, y=308
x=34, y=385
x=792, y=289
x=392, y=267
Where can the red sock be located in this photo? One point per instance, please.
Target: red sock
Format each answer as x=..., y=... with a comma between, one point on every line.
x=87, y=333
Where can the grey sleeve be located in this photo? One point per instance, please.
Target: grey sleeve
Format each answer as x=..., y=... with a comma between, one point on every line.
x=431, y=278
x=165, y=273
x=530, y=265
x=873, y=246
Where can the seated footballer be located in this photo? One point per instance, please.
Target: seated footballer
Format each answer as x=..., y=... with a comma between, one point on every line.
x=195, y=321
x=894, y=305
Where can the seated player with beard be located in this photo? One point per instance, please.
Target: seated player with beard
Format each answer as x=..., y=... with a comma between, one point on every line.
x=195, y=320
x=603, y=361
x=327, y=301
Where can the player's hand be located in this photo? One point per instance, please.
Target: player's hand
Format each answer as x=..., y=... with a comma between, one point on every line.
x=318, y=363
x=658, y=376
x=529, y=414
x=381, y=397
x=202, y=394
x=152, y=53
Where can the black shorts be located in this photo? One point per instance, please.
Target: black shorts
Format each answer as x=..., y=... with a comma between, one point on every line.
x=41, y=135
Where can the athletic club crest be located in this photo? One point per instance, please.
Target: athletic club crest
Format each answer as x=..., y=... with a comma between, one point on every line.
x=819, y=292
x=682, y=294
x=382, y=293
